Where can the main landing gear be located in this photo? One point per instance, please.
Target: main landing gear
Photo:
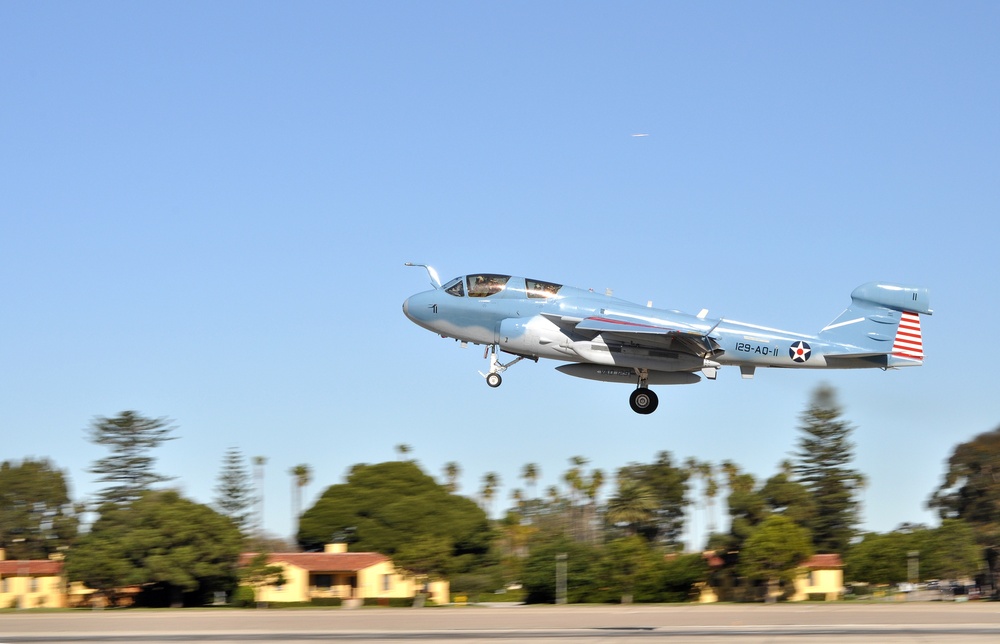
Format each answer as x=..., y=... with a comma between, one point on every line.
x=493, y=378
x=643, y=400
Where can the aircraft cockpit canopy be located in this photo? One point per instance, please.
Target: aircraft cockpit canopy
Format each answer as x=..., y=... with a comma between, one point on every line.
x=487, y=284
x=538, y=288
x=479, y=285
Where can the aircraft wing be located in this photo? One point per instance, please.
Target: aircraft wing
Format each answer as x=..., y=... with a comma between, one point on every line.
x=655, y=332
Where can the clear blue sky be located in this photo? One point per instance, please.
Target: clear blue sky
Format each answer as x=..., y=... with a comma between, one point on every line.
x=205, y=209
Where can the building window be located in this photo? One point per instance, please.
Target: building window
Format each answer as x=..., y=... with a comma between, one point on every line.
x=323, y=581
x=33, y=585
x=4, y=586
x=386, y=582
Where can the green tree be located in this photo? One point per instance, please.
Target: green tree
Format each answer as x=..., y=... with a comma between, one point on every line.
x=971, y=489
x=257, y=572
x=878, y=559
x=583, y=570
x=946, y=552
x=428, y=557
x=680, y=574
x=234, y=491
x=633, y=506
x=749, y=504
x=821, y=465
x=747, y=508
x=394, y=505
x=129, y=468
x=630, y=569
x=160, y=540
x=668, y=484
x=37, y=517
x=774, y=552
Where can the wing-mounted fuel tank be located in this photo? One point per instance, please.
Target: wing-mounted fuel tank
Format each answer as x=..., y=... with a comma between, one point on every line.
x=627, y=376
x=626, y=355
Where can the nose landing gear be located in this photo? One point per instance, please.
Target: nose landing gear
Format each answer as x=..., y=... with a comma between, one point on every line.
x=493, y=378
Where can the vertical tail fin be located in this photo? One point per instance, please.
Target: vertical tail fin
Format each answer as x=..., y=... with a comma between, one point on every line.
x=882, y=321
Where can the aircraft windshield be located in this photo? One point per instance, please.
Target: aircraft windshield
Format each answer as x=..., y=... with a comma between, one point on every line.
x=486, y=284
x=454, y=287
x=538, y=288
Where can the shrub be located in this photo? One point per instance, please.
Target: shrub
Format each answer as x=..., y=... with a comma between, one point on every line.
x=391, y=602
x=243, y=597
x=326, y=601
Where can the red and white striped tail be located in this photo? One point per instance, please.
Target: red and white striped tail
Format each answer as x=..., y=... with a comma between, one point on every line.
x=909, y=343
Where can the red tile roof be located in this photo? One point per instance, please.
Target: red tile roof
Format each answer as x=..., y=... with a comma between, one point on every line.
x=713, y=560
x=824, y=561
x=33, y=567
x=323, y=561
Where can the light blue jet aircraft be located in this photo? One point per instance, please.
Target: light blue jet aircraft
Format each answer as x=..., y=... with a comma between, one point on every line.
x=612, y=340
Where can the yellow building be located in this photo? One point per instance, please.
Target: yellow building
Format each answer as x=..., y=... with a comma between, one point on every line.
x=31, y=583
x=351, y=576
x=824, y=576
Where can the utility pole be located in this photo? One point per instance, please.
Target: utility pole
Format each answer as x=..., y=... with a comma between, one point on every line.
x=561, y=578
x=913, y=566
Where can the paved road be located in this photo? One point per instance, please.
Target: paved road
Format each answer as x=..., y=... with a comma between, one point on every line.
x=745, y=623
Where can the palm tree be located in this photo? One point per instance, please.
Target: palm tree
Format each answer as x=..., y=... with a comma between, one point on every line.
x=403, y=450
x=711, y=489
x=593, y=489
x=632, y=506
x=301, y=477
x=693, y=469
x=731, y=471
x=258, y=476
x=451, y=472
x=518, y=496
x=530, y=474
x=491, y=481
x=574, y=479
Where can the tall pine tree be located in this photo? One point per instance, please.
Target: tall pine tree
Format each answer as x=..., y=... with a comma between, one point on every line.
x=234, y=492
x=129, y=469
x=822, y=467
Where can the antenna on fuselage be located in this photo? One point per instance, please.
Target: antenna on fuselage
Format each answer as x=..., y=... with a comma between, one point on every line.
x=435, y=280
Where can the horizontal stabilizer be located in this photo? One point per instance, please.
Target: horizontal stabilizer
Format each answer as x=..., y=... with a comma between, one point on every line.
x=893, y=296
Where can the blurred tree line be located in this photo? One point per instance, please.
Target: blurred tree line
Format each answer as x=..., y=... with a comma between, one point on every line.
x=622, y=544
